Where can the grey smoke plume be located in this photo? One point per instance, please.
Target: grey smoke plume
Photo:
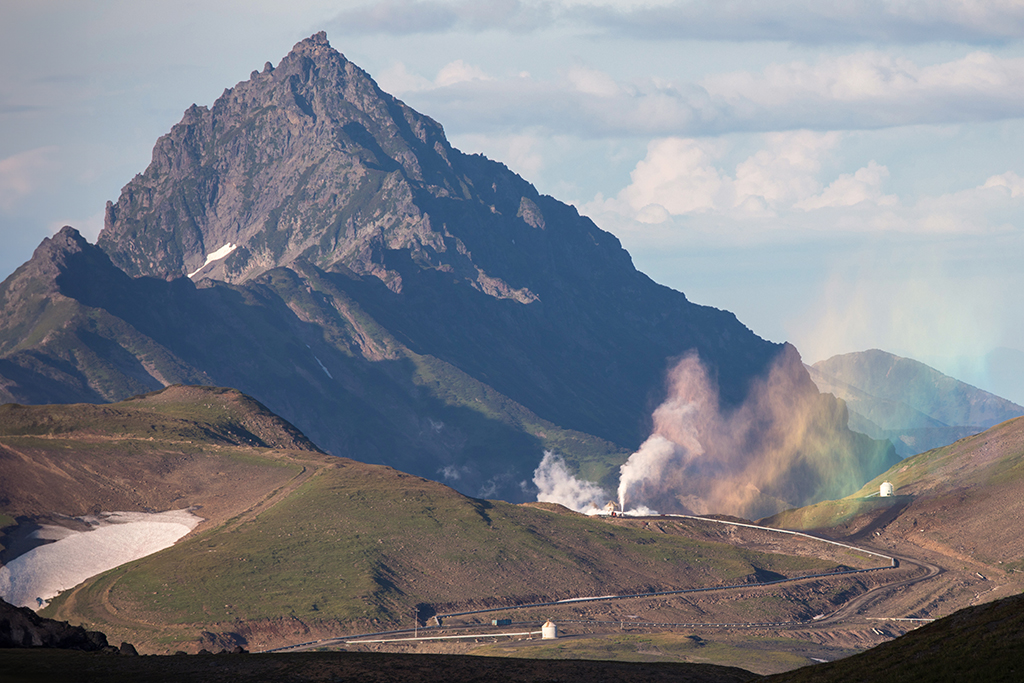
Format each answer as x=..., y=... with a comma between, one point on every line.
x=558, y=485
x=785, y=446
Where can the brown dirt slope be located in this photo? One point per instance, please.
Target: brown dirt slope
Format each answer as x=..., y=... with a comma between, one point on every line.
x=213, y=414
x=983, y=643
x=177, y=448
x=297, y=542
x=965, y=499
x=959, y=507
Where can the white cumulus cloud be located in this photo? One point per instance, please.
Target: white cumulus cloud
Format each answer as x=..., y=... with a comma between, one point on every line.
x=789, y=185
x=686, y=176
x=849, y=189
x=856, y=91
x=678, y=175
x=795, y=21
x=459, y=72
x=1013, y=183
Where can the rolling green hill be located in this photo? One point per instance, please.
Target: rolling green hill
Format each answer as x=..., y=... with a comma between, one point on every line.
x=296, y=540
x=958, y=508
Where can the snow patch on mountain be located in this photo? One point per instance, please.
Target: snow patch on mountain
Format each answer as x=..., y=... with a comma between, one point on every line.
x=215, y=256
x=116, y=538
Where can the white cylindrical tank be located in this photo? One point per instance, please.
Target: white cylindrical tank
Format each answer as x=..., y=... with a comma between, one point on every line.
x=548, y=631
x=886, y=489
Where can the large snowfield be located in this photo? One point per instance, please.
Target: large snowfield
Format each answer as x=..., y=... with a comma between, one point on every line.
x=116, y=538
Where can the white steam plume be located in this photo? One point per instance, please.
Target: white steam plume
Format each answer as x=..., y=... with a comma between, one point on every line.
x=663, y=465
x=558, y=485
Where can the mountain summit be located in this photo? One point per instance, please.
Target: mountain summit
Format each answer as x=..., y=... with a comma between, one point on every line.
x=317, y=244
x=290, y=163
x=312, y=160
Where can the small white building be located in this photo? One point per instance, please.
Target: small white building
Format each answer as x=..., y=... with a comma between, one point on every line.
x=548, y=631
x=886, y=489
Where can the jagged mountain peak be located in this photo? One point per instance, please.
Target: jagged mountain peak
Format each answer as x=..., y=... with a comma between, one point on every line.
x=396, y=299
x=315, y=45
x=41, y=275
x=312, y=159
x=24, y=294
x=52, y=253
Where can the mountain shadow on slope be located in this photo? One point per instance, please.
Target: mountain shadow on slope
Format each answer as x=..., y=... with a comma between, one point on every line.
x=399, y=301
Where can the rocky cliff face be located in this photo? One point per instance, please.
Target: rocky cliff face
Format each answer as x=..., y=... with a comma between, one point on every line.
x=310, y=165
x=311, y=159
x=298, y=160
x=319, y=245
x=21, y=627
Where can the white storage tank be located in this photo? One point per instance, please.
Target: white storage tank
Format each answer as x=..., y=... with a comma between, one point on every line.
x=886, y=489
x=548, y=631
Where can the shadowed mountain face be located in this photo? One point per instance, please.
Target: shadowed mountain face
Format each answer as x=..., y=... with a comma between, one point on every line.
x=314, y=242
x=914, y=405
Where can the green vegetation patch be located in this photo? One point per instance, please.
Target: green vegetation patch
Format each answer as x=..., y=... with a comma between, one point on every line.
x=358, y=544
x=830, y=513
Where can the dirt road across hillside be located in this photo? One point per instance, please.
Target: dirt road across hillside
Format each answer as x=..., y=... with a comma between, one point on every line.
x=892, y=572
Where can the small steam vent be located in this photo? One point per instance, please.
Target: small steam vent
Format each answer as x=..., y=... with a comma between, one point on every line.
x=549, y=631
x=886, y=489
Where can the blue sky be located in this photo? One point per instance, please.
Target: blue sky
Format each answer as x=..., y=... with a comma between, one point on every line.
x=840, y=175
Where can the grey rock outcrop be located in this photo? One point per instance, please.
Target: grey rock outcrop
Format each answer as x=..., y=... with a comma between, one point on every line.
x=21, y=627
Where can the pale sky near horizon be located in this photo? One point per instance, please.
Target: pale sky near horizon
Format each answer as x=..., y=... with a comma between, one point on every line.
x=843, y=176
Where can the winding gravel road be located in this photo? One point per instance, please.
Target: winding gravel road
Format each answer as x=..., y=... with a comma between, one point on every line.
x=843, y=614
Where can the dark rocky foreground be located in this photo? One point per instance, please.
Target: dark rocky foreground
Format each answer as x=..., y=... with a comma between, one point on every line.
x=20, y=666
x=983, y=643
x=21, y=627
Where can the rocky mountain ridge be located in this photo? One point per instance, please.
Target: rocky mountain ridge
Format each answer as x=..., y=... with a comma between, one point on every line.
x=904, y=400
x=311, y=159
x=315, y=243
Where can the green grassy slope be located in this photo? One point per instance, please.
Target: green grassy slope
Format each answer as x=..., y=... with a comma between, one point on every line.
x=362, y=546
x=293, y=534
x=963, y=500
